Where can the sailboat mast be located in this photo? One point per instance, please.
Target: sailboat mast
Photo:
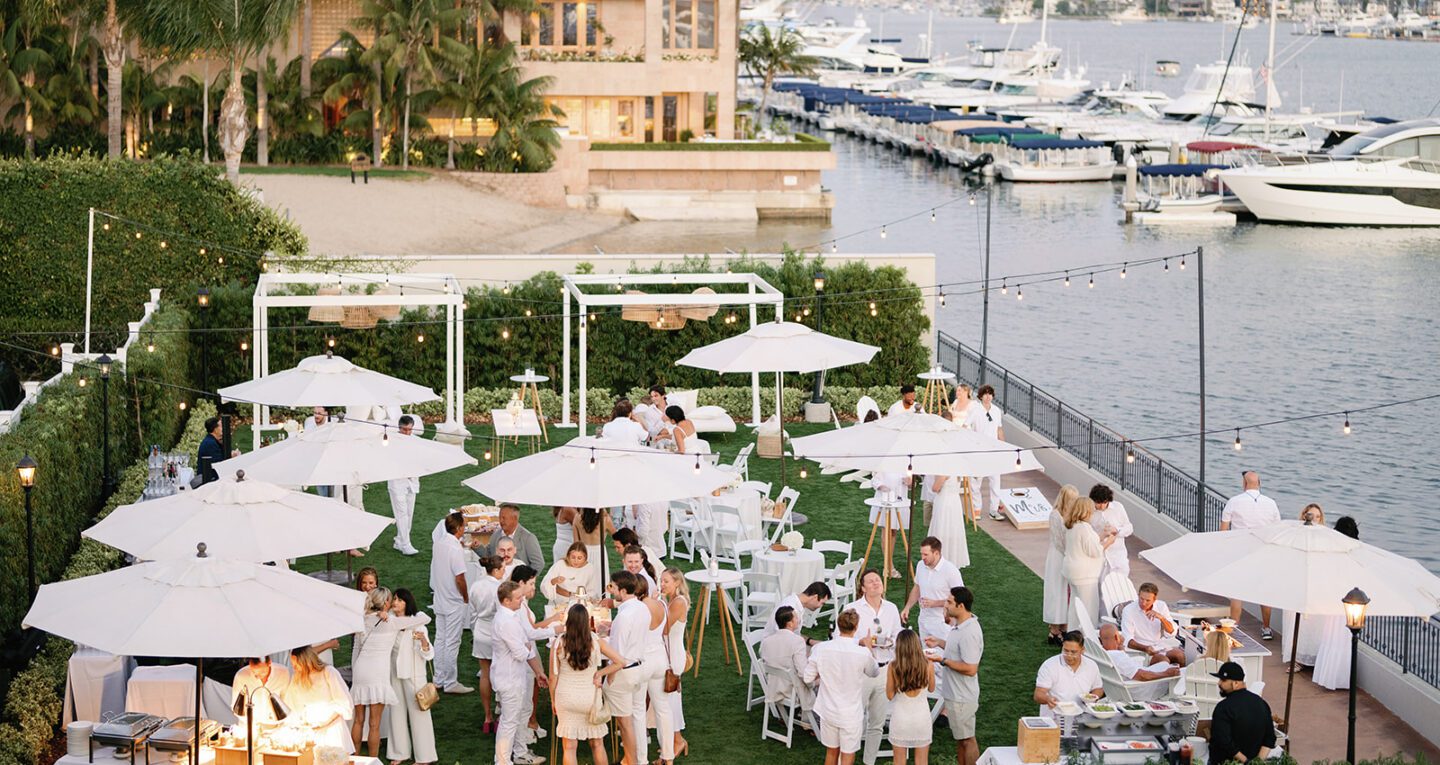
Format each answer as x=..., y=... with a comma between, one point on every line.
x=1044, y=19
x=1270, y=89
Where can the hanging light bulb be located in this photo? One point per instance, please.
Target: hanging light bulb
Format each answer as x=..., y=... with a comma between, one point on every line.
x=1018, y=463
x=1123, y=266
x=244, y=345
x=1004, y=288
x=1182, y=262
x=803, y=472
x=1130, y=453
x=138, y=235
x=910, y=466
x=183, y=406
x=54, y=350
x=1238, y=445
x=505, y=334
x=105, y=226
x=506, y=289
x=150, y=347
x=942, y=298
x=202, y=250
x=874, y=312
x=592, y=316
x=385, y=435
x=1092, y=281
x=220, y=260
x=163, y=245
x=329, y=342
x=82, y=382
x=882, y=232
x=420, y=336
x=1346, y=427
x=834, y=247
x=487, y=455
x=932, y=215
x=527, y=312
x=1167, y=265
x=592, y=458
x=806, y=312
x=872, y=305
x=1019, y=294
x=972, y=199
x=697, y=464
x=1067, y=278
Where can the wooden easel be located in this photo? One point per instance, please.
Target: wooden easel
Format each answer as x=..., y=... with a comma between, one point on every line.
x=886, y=543
x=728, y=643
x=539, y=413
x=937, y=396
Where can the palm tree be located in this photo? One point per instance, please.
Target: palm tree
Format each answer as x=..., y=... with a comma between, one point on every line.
x=353, y=79
x=27, y=62
x=307, y=28
x=292, y=111
x=474, y=92
x=525, y=138
x=140, y=96
x=766, y=54
x=68, y=98
x=234, y=31
x=410, y=38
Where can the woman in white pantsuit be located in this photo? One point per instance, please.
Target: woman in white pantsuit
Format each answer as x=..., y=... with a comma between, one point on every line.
x=412, y=735
x=1057, y=592
x=1084, y=557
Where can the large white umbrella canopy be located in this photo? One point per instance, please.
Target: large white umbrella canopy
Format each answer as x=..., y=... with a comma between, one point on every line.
x=591, y=471
x=779, y=346
x=245, y=520
x=926, y=444
x=346, y=453
x=196, y=607
x=1300, y=568
x=328, y=380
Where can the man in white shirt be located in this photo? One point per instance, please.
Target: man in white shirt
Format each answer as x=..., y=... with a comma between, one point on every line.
x=840, y=701
x=805, y=603
x=451, y=602
x=1250, y=510
x=633, y=557
x=402, y=497
x=934, y=578
x=260, y=673
x=1108, y=515
x=785, y=653
x=625, y=693
x=514, y=666
x=907, y=403
x=1130, y=668
x=1146, y=625
x=988, y=419
x=1068, y=676
x=319, y=418
x=964, y=644
x=622, y=426
x=879, y=624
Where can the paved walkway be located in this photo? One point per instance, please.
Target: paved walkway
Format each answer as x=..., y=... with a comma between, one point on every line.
x=1320, y=715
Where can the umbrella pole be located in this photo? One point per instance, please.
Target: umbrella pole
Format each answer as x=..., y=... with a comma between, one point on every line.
x=1290, y=682
x=910, y=572
x=195, y=734
x=780, y=415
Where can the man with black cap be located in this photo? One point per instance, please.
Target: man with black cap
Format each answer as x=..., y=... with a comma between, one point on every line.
x=1241, y=728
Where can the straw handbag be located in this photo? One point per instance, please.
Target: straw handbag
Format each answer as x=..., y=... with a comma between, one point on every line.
x=428, y=695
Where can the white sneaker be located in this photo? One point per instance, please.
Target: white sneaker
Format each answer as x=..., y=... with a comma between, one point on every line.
x=459, y=689
x=525, y=757
x=538, y=732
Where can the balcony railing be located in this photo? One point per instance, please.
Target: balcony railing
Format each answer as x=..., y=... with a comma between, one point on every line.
x=1412, y=643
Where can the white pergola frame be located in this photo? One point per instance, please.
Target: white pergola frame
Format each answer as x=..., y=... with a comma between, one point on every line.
x=759, y=292
x=415, y=290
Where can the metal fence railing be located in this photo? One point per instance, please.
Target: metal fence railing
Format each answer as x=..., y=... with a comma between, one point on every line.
x=1412, y=643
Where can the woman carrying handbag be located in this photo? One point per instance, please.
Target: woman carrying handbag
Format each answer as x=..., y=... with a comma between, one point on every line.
x=575, y=679
x=412, y=734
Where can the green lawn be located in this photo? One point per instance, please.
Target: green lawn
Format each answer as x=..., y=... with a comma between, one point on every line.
x=1008, y=599
x=326, y=170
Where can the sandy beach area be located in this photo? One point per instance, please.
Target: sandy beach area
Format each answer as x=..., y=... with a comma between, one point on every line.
x=433, y=215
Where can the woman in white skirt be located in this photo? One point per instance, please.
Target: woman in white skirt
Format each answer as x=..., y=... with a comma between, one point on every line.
x=676, y=596
x=1084, y=557
x=564, y=531
x=1057, y=592
x=947, y=519
x=908, y=682
x=1332, y=658
x=482, y=609
x=412, y=734
x=372, y=666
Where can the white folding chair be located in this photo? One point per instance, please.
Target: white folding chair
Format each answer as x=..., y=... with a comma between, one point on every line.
x=747, y=548
x=787, y=711
x=1116, y=591
x=842, y=587
x=832, y=546
x=757, y=669
x=761, y=486
x=786, y=520
x=761, y=595
x=687, y=528
x=741, y=465
x=726, y=530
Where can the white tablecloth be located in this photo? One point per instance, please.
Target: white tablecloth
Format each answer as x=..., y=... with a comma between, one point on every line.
x=95, y=684
x=796, y=568
x=170, y=692
x=1000, y=755
x=899, y=513
x=747, y=502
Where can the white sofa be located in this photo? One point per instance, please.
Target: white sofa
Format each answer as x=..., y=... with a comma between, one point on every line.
x=707, y=419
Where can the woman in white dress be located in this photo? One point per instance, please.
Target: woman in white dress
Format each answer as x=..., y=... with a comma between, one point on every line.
x=1332, y=658
x=1312, y=627
x=483, y=602
x=908, y=682
x=593, y=528
x=318, y=699
x=676, y=596
x=372, y=668
x=654, y=665
x=1084, y=557
x=947, y=520
x=564, y=531
x=1057, y=592
x=575, y=678
x=412, y=734
x=571, y=574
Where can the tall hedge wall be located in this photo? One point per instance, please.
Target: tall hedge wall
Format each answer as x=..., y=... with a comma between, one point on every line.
x=623, y=354
x=43, y=233
x=63, y=432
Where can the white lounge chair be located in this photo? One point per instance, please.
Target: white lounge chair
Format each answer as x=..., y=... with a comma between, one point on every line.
x=706, y=419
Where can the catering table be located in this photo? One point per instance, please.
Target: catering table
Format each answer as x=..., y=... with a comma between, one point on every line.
x=170, y=692
x=95, y=684
x=716, y=581
x=1000, y=755
x=106, y=754
x=510, y=429
x=796, y=568
x=747, y=503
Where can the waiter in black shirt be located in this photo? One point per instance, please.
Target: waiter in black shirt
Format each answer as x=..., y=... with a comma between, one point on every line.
x=1241, y=728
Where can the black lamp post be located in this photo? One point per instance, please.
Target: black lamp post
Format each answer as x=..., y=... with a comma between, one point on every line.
x=105, y=481
x=202, y=299
x=816, y=397
x=25, y=469
x=1355, y=602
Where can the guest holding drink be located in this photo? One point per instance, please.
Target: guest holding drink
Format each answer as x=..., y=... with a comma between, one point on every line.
x=569, y=576
x=908, y=680
x=1057, y=591
x=575, y=680
x=879, y=624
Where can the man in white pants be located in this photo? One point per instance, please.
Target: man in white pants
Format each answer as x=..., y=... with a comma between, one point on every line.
x=1250, y=510
x=840, y=701
x=451, y=604
x=514, y=667
x=402, y=497
x=625, y=693
x=879, y=624
x=988, y=420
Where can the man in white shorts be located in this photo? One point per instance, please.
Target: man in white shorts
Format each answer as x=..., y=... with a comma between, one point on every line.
x=835, y=664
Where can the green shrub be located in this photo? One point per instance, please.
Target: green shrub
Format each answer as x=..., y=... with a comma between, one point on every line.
x=63, y=431
x=33, y=704
x=43, y=231
x=812, y=145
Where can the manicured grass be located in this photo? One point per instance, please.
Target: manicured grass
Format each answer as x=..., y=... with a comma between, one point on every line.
x=1008, y=599
x=328, y=170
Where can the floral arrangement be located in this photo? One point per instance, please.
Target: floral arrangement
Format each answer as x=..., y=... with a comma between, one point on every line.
x=793, y=539
x=702, y=57
x=568, y=56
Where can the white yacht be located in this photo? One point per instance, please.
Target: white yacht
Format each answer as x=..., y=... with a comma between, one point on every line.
x=1388, y=176
x=1236, y=90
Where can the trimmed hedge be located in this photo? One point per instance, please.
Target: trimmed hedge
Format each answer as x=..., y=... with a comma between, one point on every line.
x=813, y=144
x=43, y=233
x=33, y=704
x=623, y=354
x=63, y=431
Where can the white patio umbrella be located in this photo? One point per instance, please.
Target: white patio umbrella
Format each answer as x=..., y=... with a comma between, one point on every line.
x=596, y=472
x=196, y=607
x=925, y=444
x=779, y=347
x=346, y=453
x=1304, y=568
x=328, y=380
x=245, y=520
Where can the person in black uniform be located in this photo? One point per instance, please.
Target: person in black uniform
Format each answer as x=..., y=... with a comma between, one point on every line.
x=210, y=451
x=1241, y=728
